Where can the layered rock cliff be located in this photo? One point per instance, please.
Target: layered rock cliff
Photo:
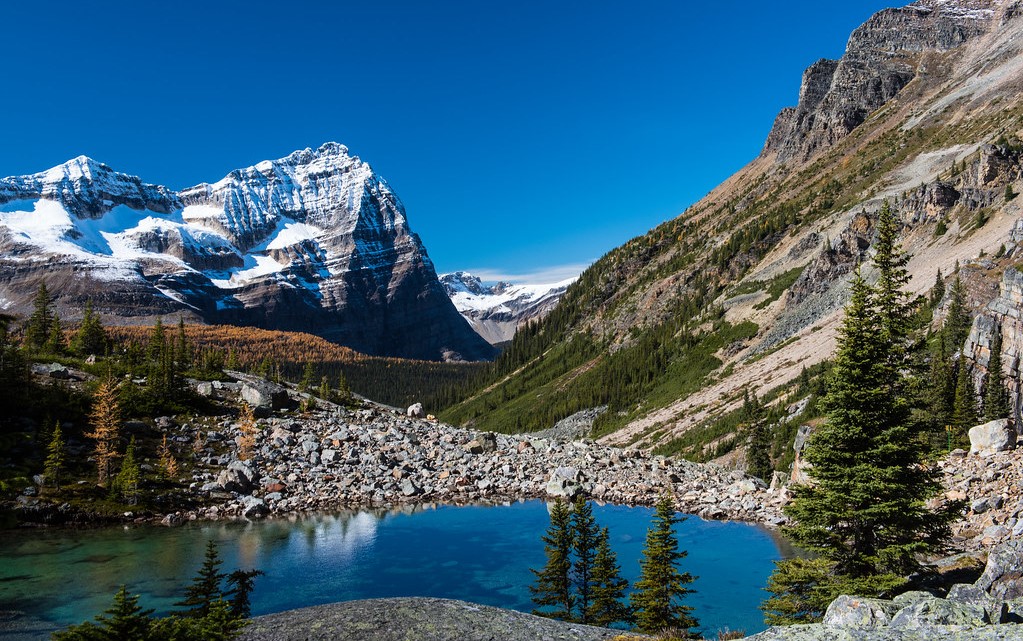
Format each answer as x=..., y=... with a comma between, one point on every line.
x=312, y=242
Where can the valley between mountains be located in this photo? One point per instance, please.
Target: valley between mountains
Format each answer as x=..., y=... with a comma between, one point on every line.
x=278, y=342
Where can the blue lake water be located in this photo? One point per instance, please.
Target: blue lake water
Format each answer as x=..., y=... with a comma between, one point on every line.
x=475, y=553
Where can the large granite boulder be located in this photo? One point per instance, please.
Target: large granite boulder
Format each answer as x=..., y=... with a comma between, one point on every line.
x=991, y=437
x=1003, y=574
x=859, y=612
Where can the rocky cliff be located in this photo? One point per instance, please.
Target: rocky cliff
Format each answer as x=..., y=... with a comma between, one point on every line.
x=312, y=242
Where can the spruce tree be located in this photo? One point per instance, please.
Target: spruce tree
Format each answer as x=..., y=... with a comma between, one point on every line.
x=205, y=589
x=55, y=457
x=127, y=481
x=91, y=337
x=39, y=326
x=55, y=343
x=937, y=291
x=585, y=534
x=996, y=400
x=957, y=322
x=607, y=599
x=864, y=515
x=240, y=584
x=124, y=620
x=964, y=410
x=661, y=584
x=308, y=374
x=553, y=587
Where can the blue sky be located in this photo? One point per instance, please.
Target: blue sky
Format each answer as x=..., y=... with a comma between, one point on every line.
x=525, y=138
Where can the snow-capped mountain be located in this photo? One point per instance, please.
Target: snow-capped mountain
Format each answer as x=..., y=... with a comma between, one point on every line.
x=313, y=242
x=496, y=311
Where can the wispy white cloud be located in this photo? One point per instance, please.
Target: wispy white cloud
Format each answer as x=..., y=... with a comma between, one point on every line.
x=541, y=276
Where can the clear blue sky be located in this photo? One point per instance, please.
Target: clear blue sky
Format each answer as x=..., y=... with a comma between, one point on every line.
x=521, y=136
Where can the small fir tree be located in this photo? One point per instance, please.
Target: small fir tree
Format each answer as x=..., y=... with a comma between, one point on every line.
x=964, y=411
x=937, y=291
x=39, y=326
x=661, y=584
x=240, y=584
x=585, y=538
x=124, y=620
x=105, y=419
x=553, y=587
x=55, y=457
x=607, y=603
x=308, y=376
x=996, y=398
x=55, y=343
x=127, y=481
x=91, y=337
x=206, y=588
x=957, y=322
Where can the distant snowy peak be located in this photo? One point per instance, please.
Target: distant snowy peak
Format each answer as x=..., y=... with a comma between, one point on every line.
x=497, y=310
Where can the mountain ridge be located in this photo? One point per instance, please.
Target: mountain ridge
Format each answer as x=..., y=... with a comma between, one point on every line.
x=314, y=241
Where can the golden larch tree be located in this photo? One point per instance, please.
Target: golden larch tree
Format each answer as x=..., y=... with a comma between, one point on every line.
x=105, y=419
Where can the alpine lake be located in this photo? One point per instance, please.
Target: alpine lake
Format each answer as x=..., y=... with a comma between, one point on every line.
x=476, y=553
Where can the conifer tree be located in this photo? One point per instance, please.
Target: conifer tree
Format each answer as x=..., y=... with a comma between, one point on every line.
x=183, y=349
x=55, y=457
x=38, y=328
x=864, y=515
x=938, y=290
x=553, y=587
x=105, y=419
x=607, y=603
x=308, y=374
x=957, y=322
x=127, y=481
x=125, y=621
x=585, y=533
x=91, y=337
x=661, y=584
x=964, y=411
x=996, y=400
x=55, y=343
x=14, y=376
x=240, y=584
x=206, y=588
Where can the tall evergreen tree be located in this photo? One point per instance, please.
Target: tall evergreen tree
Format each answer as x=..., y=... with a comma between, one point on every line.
x=585, y=535
x=661, y=585
x=553, y=587
x=127, y=481
x=55, y=342
x=964, y=411
x=996, y=399
x=124, y=620
x=206, y=588
x=938, y=290
x=607, y=599
x=39, y=326
x=865, y=513
x=56, y=457
x=957, y=322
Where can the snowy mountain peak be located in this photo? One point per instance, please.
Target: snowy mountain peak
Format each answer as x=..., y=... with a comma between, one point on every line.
x=495, y=311
x=313, y=241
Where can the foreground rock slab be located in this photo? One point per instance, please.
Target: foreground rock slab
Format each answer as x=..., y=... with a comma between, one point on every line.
x=414, y=618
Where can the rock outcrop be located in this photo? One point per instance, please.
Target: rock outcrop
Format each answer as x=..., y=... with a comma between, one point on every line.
x=423, y=619
x=880, y=59
x=313, y=242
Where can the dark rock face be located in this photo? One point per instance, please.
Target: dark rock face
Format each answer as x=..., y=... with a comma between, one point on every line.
x=313, y=242
x=880, y=59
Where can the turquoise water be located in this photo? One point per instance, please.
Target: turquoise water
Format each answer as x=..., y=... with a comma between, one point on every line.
x=475, y=553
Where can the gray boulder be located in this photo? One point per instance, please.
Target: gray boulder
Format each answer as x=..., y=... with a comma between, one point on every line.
x=415, y=410
x=1003, y=574
x=859, y=612
x=972, y=595
x=994, y=436
x=265, y=394
x=254, y=508
x=238, y=477
x=935, y=611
